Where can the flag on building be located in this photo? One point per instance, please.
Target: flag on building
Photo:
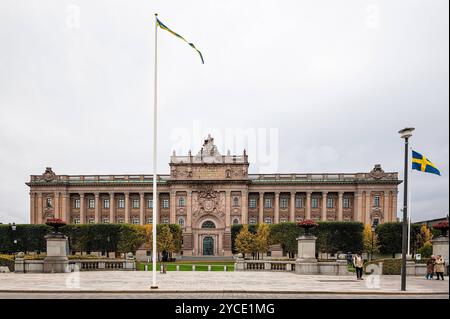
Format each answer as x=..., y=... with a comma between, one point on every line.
x=421, y=163
x=162, y=26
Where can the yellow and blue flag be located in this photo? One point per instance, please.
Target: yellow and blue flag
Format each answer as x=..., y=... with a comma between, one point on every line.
x=423, y=164
x=162, y=26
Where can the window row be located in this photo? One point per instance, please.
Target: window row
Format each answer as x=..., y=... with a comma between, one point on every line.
x=135, y=203
x=300, y=202
x=120, y=220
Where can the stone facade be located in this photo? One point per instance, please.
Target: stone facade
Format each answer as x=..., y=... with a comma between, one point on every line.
x=208, y=192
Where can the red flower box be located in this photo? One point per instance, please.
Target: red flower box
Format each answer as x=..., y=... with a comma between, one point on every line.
x=307, y=224
x=55, y=223
x=443, y=227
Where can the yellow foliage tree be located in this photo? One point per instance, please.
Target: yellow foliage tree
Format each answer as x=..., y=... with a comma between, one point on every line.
x=261, y=240
x=245, y=241
x=370, y=241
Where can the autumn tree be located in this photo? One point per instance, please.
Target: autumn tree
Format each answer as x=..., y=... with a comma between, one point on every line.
x=370, y=241
x=164, y=240
x=261, y=239
x=245, y=241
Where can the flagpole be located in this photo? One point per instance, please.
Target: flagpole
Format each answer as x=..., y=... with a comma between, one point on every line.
x=155, y=197
x=409, y=206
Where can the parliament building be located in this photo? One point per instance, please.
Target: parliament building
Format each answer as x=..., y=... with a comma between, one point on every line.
x=208, y=192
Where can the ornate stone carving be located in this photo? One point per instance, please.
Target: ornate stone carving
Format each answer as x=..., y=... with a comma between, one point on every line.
x=208, y=201
x=209, y=149
x=377, y=172
x=48, y=175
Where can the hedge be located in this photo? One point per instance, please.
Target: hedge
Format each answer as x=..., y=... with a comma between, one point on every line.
x=332, y=237
x=391, y=266
x=121, y=238
x=390, y=237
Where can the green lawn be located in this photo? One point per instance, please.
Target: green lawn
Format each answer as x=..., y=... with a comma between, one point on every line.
x=187, y=266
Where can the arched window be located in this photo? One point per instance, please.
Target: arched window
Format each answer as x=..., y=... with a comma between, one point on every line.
x=235, y=221
x=235, y=201
x=181, y=222
x=208, y=224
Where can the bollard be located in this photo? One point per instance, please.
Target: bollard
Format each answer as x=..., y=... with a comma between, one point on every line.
x=224, y=268
x=145, y=267
x=178, y=267
x=193, y=267
x=209, y=267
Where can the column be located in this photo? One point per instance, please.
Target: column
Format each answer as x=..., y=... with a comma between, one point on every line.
x=261, y=208
x=142, y=208
x=292, y=208
x=386, y=216
x=32, y=208
x=112, y=205
x=97, y=208
x=357, y=207
x=368, y=208
x=227, y=208
x=172, y=207
x=56, y=210
x=244, y=207
x=64, y=207
x=189, y=211
x=324, y=206
x=277, y=208
x=82, y=209
x=308, y=205
x=394, y=206
x=339, y=205
x=127, y=207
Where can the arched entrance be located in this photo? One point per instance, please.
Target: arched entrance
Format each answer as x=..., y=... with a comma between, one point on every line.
x=208, y=246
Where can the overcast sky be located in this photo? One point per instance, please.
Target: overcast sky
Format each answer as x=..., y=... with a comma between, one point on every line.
x=325, y=84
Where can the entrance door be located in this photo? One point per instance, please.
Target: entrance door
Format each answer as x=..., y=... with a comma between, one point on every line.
x=208, y=246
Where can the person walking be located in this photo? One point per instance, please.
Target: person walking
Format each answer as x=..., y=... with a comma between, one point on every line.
x=358, y=263
x=439, y=267
x=430, y=267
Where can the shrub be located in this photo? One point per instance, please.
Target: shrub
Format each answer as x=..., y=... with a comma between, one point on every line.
x=390, y=237
x=391, y=266
x=8, y=261
x=426, y=250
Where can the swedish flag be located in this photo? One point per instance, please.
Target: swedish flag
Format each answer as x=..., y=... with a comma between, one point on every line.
x=162, y=26
x=421, y=163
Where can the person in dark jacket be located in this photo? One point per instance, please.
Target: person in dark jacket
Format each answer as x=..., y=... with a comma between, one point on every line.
x=430, y=267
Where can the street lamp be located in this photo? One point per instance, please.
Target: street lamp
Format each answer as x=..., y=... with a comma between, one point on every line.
x=13, y=228
x=374, y=227
x=405, y=133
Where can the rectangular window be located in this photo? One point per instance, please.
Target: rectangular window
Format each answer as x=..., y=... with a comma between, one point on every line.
x=181, y=202
x=165, y=220
x=314, y=202
x=76, y=220
x=283, y=220
x=252, y=221
x=120, y=220
x=299, y=202
x=135, y=221
x=91, y=221
x=268, y=203
x=330, y=202
x=283, y=202
x=149, y=220
x=135, y=203
x=346, y=202
x=150, y=203
x=49, y=202
x=165, y=203
x=121, y=203
x=252, y=203
x=106, y=203
x=91, y=203
x=268, y=220
x=298, y=219
x=76, y=203
x=105, y=220
x=376, y=201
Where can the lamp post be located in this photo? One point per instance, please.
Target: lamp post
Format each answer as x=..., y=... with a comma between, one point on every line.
x=405, y=133
x=374, y=227
x=13, y=228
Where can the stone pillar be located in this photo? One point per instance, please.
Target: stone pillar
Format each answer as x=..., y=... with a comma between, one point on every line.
x=368, y=208
x=306, y=262
x=340, y=205
x=82, y=209
x=324, y=206
x=56, y=210
x=357, y=207
x=33, y=208
x=244, y=207
x=394, y=207
x=142, y=208
x=277, y=208
x=172, y=207
x=127, y=207
x=65, y=207
x=292, y=208
x=97, y=208
x=39, y=215
x=261, y=208
x=308, y=205
x=386, y=216
x=189, y=211
x=227, y=208
x=440, y=247
x=112, y=205
x=56, y=260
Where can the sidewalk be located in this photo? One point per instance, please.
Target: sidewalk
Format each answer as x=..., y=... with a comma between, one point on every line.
x=195, y=282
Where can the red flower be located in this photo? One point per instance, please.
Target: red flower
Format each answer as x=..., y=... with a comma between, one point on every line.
x=55, y=222
x=441, y=225
x=307, y=223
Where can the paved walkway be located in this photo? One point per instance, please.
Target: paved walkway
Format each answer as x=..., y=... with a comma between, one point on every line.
x=138, y=282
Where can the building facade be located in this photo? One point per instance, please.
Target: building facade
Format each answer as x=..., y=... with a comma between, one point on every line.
x=207, y=193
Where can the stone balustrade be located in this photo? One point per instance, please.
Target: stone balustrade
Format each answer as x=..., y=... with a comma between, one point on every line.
x=37, y=266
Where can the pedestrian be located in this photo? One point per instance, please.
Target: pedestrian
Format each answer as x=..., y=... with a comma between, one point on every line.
x=439, y=267
x=358, y=263
x=430, y=267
